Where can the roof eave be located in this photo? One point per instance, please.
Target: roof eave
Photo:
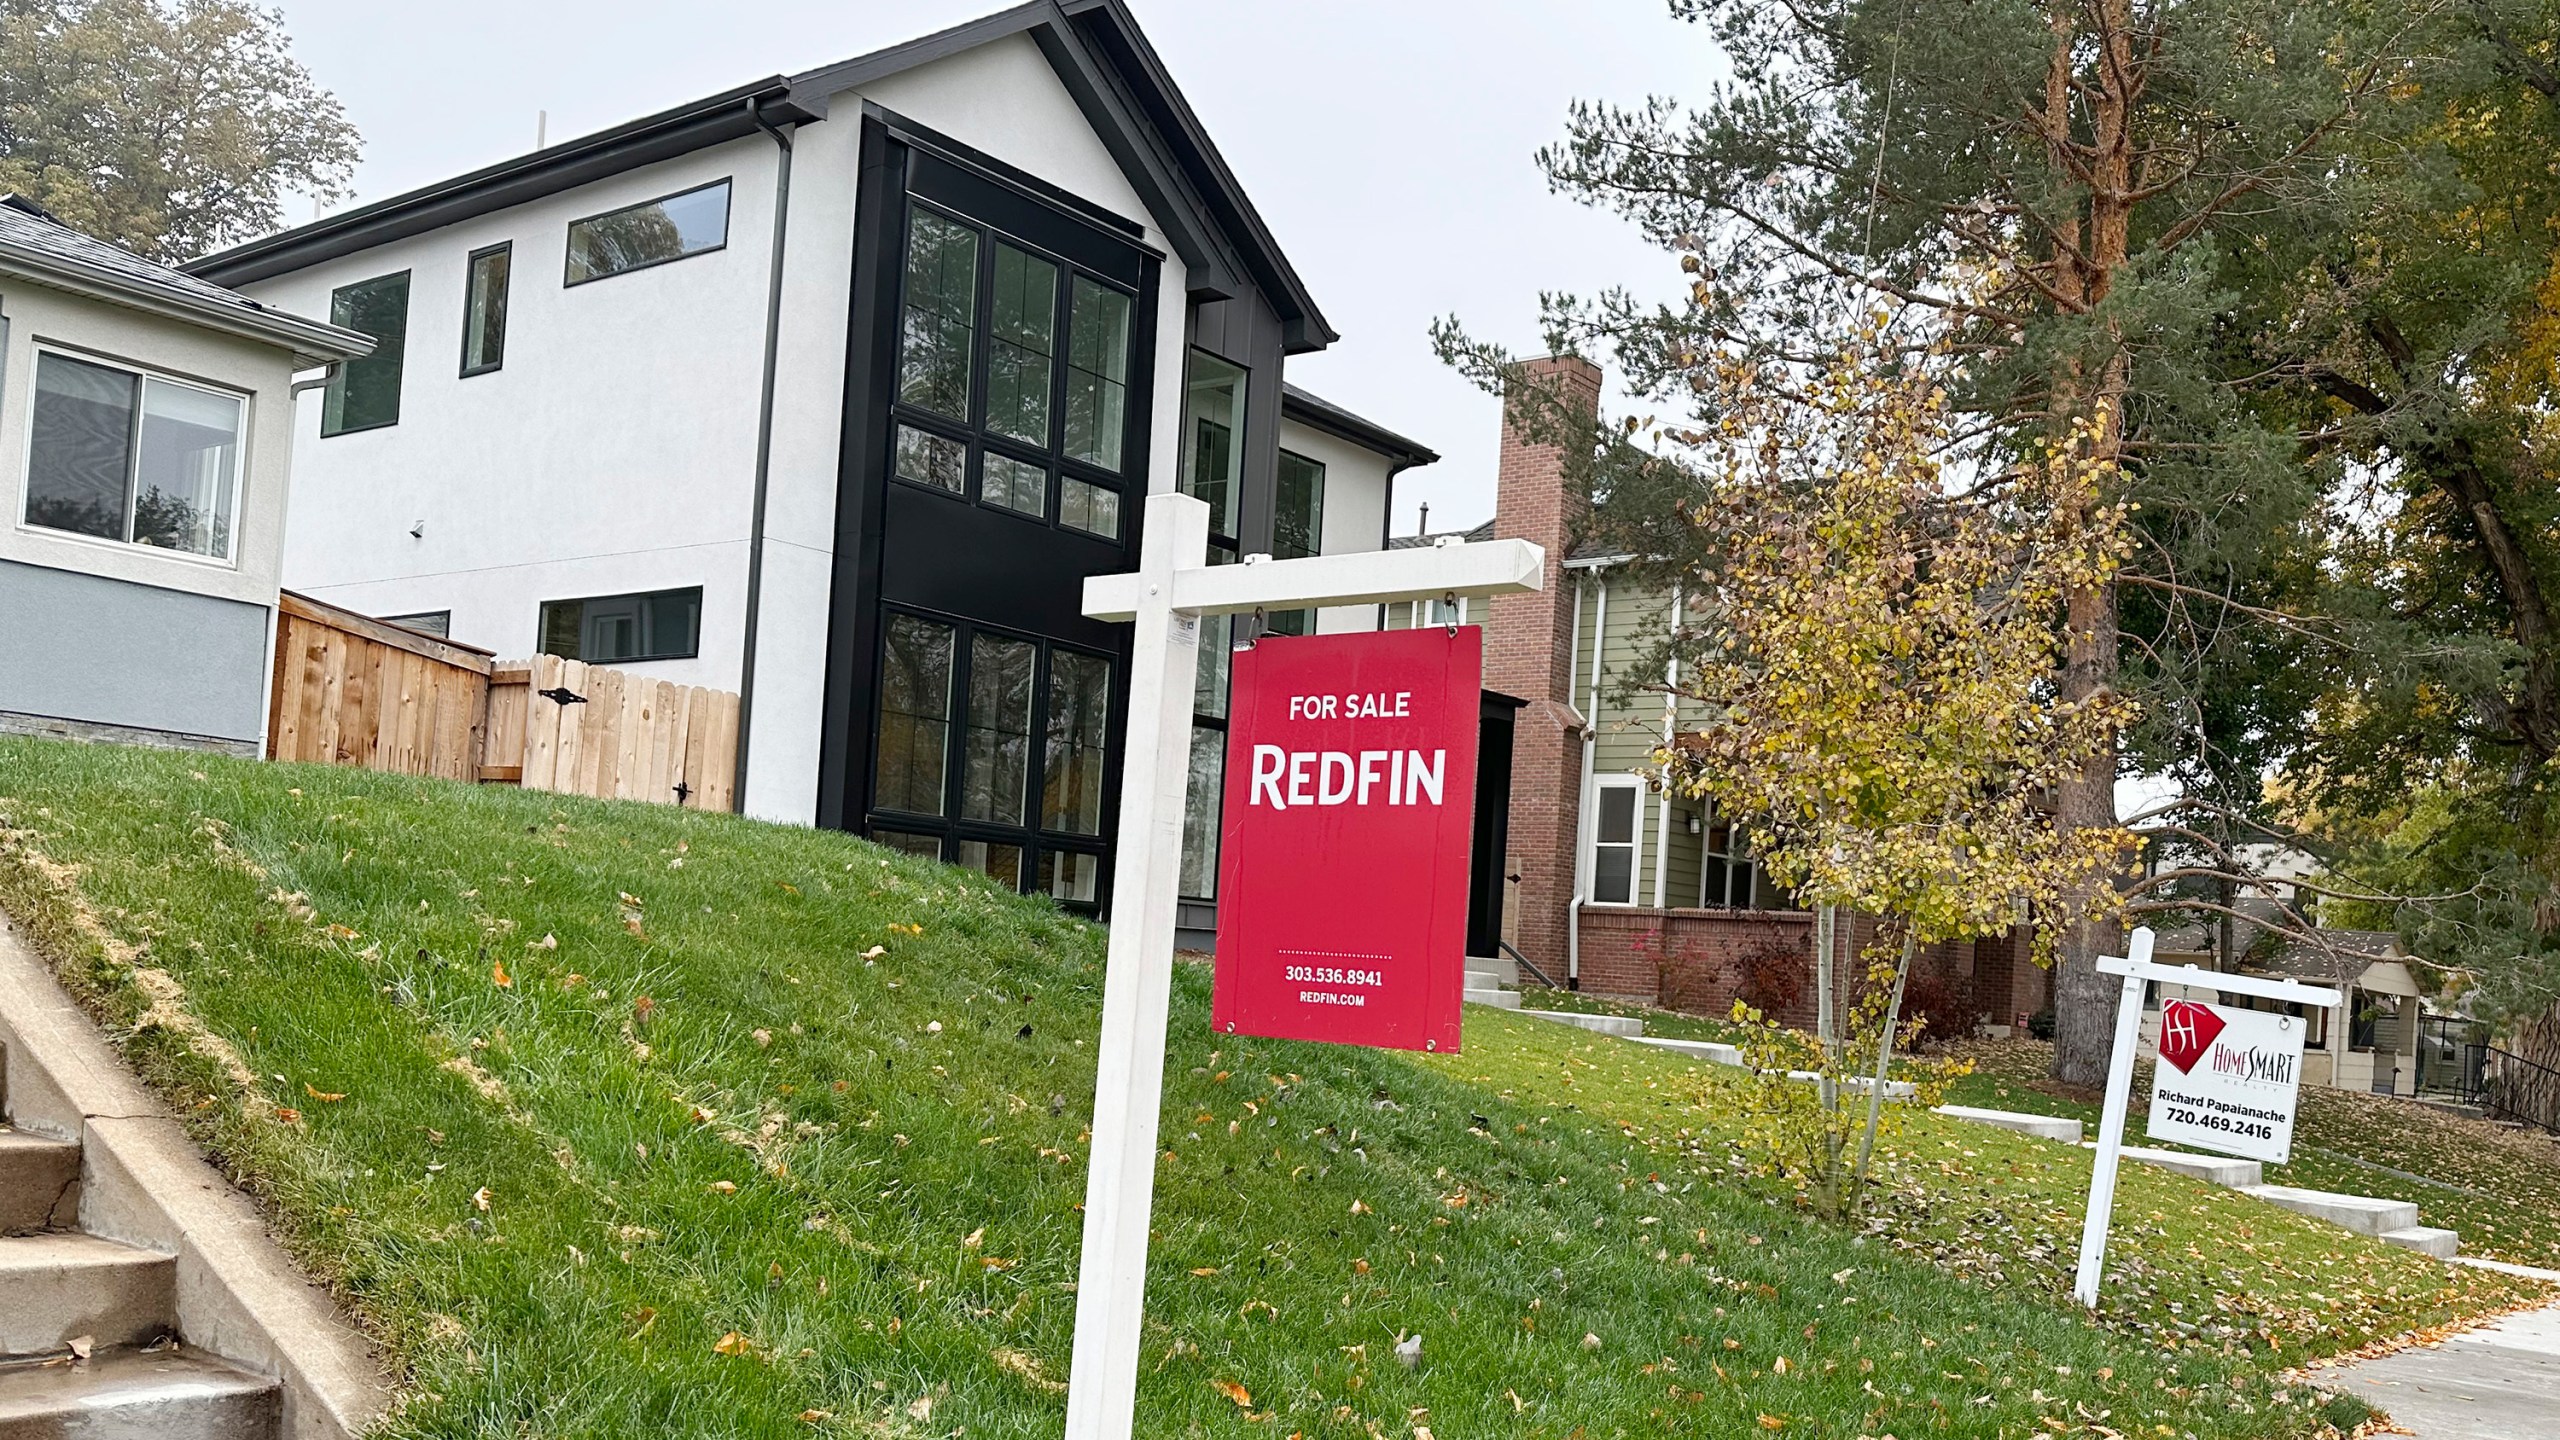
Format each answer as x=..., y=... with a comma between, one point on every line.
x=311, y=342
x=1322, y=415
x=730, y=115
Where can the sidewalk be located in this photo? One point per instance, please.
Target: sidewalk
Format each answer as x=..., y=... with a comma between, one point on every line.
x=2499, y=1382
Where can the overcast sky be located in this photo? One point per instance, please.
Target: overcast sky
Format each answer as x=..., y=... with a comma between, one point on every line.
x=1388, y=144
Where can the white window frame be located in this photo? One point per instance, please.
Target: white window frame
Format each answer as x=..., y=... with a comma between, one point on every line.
x=230, y=560
x=1634, y=844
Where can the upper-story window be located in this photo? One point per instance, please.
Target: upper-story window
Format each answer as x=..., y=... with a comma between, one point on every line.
x=1213, y=442
x=1013, y=376
x=1297, y=528
x=484, y=309
x=118, y=454
x=693, y=222
x=365, y=393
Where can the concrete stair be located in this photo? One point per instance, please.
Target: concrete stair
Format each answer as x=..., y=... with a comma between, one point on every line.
x=171, y=1393
x=2229, y=1172
x=2361, y=1213
x=1712, y=1051
x=39, y=1182
x=1625, y=1025
x=2042, y=1127
x=65, y=1294
x=2425, y=1239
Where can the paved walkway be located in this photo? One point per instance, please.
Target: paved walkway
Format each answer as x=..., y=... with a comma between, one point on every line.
x=2499, y=1382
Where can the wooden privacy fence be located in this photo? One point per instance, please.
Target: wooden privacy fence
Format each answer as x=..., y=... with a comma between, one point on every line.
x=585, y=730
x=353, y=690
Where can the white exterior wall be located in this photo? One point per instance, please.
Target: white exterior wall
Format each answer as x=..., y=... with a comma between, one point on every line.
x=614, y=450
x=262, y=374
x=1355, y=509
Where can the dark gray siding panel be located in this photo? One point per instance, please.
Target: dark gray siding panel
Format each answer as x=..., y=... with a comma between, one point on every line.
x=109, y=653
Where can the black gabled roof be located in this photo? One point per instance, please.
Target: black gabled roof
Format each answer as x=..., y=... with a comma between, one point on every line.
x=1316, y=412
x=1097, y=50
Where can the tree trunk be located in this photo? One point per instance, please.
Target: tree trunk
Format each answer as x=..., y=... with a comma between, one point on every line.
x=1884, y=1064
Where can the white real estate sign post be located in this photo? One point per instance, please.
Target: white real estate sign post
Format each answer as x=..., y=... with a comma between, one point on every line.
x=1172, y=588
x=2226, y=1113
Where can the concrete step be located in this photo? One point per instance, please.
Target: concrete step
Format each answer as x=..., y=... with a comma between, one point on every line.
x=1604, y=1024
x=1485, y=980
x=1860, y=1084
x=2221, y=1170
x=2361, y=1213
x=2426, y=1240
x=1502, y=968
x=60, y=1287
x=1498, y=999
x=39, y=1182
x=1712, y=1051
x=171, y=1394
x=2042, y=1127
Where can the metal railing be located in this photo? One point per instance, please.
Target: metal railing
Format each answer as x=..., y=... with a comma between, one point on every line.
x=2522, y=1090
x=1525, y=963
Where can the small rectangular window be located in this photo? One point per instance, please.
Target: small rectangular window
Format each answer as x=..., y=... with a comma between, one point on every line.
x=1613, y=845
x=636, y=237
x=365, y=394
x=1070, y=878
x=909, y=842
x=930, y=459
x=1094, y=509
x=1013, y=485
x=937, y=326
x=118, y=455
x=1298, y=521
x=617, y=629
x=484, y=309
x=430, y=622
x=1000, y=863
x=915, y=714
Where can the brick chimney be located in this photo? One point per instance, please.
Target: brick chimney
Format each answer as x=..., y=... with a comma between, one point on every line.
x=1529, y=656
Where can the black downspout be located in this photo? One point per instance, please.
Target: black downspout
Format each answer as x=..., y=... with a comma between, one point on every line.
x=764, y=448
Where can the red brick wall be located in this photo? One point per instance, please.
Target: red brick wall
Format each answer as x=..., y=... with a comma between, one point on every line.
x=1529, y=656
x=1693, y=960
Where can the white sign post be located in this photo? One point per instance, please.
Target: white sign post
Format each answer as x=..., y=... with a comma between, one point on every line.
x=1172, y=588
x=2137, y=969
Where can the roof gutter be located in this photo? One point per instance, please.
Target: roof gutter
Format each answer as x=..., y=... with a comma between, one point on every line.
x=311, y=342
x=764, y=442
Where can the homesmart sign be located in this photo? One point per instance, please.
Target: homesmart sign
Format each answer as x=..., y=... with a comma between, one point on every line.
x=1350, y=805
x=2227, y=1079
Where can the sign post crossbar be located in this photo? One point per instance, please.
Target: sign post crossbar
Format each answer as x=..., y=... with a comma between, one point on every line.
x=1173, y=587
x=2138, y=969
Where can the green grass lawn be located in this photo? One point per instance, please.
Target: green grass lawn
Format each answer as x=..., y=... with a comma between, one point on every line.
x=2500, y=1187
x=613, y=1119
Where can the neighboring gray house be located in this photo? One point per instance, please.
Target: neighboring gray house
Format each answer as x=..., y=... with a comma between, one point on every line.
x=145, y=431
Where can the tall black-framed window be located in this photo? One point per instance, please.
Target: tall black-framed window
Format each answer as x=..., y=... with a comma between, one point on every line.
x=1213, y=436
x=992, y=750
x=999, y=382
x=1013, y=369
x=364, y=394
x=484, y=308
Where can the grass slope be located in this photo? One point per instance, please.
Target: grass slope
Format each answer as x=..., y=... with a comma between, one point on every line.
x=608, y=1121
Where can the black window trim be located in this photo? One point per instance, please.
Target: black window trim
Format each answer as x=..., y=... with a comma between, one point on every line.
x=338, y=377
x=697, y=590
x=470, y=266
x=568, y=252
x=972, y=430
x=1030, y=834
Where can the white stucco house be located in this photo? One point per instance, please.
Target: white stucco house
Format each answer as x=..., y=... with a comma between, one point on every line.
x=831, y=389
x=145, y=444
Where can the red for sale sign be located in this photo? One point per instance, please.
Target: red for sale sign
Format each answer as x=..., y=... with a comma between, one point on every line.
x=1350, y=806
